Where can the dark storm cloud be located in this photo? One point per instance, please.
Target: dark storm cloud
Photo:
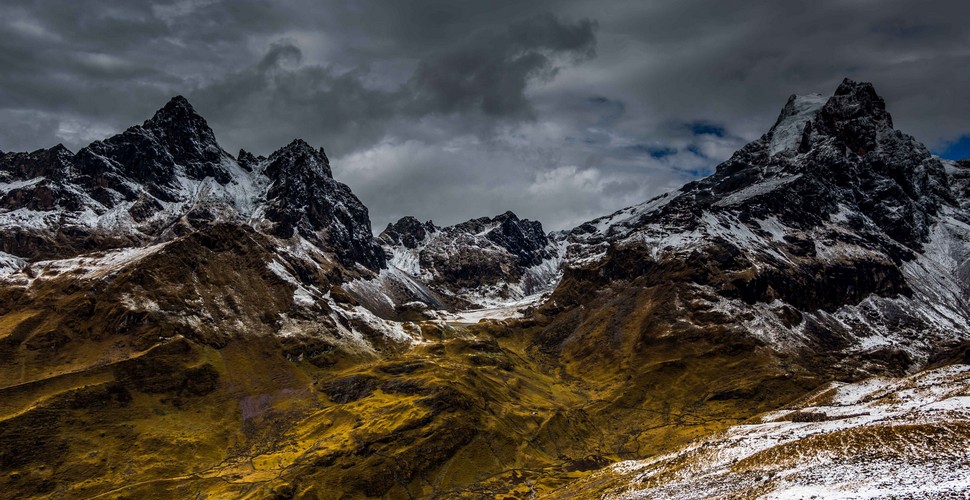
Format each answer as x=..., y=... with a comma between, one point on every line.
x=559, y=110
x=480, y=80
x=489, y=72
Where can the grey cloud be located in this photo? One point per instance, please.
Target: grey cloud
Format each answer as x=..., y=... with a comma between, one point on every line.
x=489, y=73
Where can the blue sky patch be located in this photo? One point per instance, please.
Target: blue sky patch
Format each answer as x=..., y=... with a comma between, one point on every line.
x=657, y=152
x=956, y=150
x=706, y=128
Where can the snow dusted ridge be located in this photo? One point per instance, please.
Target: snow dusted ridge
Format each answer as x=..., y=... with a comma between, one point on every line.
x=90, y=214
x=883, y=437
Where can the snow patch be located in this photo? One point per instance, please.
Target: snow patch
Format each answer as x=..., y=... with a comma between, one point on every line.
x=786, y=134
x=758, y=189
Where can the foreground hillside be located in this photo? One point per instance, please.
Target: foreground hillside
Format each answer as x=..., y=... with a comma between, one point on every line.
x=176, y=321
x=883, y=437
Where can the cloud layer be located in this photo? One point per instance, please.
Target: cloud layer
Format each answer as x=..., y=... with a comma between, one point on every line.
x=560, y=111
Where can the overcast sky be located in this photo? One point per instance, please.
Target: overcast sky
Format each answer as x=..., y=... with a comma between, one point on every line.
x=448, y=109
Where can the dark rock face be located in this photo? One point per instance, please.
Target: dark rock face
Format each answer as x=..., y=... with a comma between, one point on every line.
x=960, y=181
x=523, y=238
x=38, y=180
x=247, y=160
x=305, y=198
x=408, y=232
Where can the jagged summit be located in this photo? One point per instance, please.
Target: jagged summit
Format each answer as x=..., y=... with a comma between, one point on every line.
x=297, y=157
x=821, y=158
x=177, y=108
x=247, y=160
x=184, y=131
x=408, y=232
x=856, y=116
x=850, y=210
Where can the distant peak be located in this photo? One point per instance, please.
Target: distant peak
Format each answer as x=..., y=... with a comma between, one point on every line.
x=179, y=123
x=407, y=231
x=176, y=107
x=298, y=143
x=300, y=147
x=407, y=219
x=299, y=154
x=246, y=160
x=179, y=101
x=60, y=148
x=848, y=87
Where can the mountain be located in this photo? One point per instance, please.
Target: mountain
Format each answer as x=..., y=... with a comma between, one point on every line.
x=156, y=180
x=832, y=233
x=176, y=321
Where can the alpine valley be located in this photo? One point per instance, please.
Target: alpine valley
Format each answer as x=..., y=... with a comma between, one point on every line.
x=180, y=322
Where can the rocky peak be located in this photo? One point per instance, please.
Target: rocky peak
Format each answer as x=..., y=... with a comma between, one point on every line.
x=479, y=260
x=176, y=142
x=855, y=116
x=524, y=238
x=178, y=116
x=298, y=159
x=247, y=160
x=150, y=176
x=185, y=133
x=823, y=158
x=304, y=198
x=521, y=237
x=408, y=232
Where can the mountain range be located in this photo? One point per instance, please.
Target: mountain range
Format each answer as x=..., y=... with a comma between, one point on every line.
x=176, y=320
